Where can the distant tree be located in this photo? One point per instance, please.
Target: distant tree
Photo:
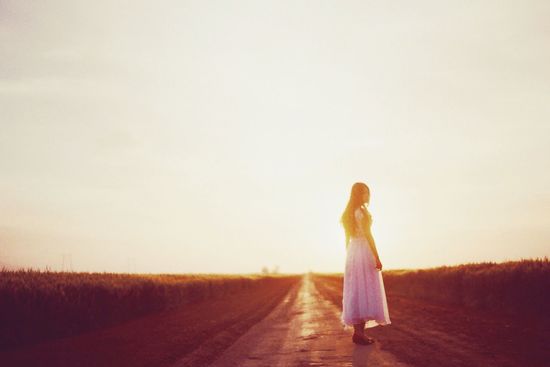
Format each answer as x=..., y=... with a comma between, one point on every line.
x=265, y=270
x=275, y=269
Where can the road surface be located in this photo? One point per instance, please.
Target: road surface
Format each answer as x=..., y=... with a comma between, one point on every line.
x=303, y=330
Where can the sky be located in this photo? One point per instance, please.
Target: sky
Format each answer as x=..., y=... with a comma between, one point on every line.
x=224, y=136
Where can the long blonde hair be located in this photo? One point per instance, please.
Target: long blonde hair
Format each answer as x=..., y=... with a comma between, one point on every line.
x=347, y=220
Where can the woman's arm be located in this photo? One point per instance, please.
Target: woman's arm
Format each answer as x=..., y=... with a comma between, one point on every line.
x=373, y=247
x=372, y=244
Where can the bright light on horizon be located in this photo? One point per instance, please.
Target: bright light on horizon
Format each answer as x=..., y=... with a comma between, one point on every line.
x=209, y=137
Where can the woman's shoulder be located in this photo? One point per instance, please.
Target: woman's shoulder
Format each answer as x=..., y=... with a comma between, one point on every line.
x=362, y=212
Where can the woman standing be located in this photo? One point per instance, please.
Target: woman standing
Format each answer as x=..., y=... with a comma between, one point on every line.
x=364, y=302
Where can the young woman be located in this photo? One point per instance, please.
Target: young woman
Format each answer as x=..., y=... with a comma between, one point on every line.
x=364, y=302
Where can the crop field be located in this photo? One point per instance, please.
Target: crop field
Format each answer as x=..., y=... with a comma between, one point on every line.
x=464, y=315
x=478, y=314
x=510, y=287
x=38, y=305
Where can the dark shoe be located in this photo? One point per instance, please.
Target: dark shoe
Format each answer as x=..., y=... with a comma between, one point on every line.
x=362, y=340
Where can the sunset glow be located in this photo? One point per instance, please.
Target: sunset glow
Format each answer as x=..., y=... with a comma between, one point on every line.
x=221, y=137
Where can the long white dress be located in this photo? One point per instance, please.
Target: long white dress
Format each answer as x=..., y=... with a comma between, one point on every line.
x=364, y=296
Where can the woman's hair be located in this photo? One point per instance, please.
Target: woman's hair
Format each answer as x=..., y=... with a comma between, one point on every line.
x=355, y=201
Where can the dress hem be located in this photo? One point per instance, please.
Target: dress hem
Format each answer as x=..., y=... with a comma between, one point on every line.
x=369, y=323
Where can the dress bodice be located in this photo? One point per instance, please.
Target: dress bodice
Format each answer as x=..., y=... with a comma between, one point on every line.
x=362, y=217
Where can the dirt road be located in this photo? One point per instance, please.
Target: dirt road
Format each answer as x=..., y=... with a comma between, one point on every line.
x=304, y=330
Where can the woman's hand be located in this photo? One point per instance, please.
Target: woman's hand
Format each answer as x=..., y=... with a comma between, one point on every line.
x=378, y=264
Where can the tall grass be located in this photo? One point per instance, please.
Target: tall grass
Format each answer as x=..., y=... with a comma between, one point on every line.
x=37, y=305
x=521, y=287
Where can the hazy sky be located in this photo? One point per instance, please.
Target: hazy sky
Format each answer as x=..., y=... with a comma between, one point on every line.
x=223, y=136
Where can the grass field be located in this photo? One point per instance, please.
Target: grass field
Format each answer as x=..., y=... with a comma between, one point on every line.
x=512, y=287
x=40, y=305
x=480, y=314
x=461, y=315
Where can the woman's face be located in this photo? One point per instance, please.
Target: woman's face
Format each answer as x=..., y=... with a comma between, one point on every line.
x=366, y=196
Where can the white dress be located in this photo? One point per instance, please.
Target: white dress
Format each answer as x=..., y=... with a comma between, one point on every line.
x=364, y=296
